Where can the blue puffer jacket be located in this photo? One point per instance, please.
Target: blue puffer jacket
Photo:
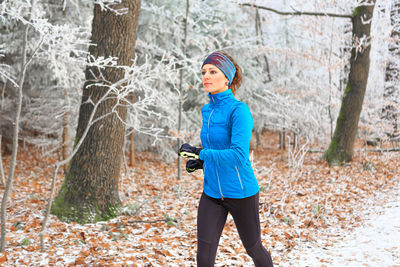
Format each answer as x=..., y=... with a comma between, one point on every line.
x=225, y=137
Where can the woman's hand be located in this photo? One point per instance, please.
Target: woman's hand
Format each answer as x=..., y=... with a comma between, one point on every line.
x=194, y=164
x=188, y=151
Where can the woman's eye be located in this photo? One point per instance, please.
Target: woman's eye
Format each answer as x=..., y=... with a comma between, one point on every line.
x=213, y=72
x=203, y=73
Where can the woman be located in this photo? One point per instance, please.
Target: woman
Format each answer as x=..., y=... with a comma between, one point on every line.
x=229, y=182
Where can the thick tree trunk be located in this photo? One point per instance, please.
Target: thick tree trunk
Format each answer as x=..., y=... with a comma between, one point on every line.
x=90, y=189
x=341, y=147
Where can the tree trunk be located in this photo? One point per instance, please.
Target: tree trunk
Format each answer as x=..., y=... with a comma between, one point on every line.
x=260, y=33
x=13, y=163
x=2, y=176
x=181, y=91
x=282, y=139
x=391, y=109
x=341, y=147
x=90, y=189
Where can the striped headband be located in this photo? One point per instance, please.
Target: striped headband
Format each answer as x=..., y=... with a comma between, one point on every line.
x=223, y=63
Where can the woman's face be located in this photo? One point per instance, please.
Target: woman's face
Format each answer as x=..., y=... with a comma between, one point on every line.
x=214, y=80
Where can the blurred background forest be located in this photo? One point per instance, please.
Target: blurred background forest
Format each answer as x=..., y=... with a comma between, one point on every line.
x=85, y=79
x=295, y=69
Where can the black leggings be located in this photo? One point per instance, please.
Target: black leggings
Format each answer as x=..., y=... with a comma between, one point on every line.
x=211, y=219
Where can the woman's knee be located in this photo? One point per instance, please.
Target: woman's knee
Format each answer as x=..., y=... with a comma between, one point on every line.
x=206, y=254
x=260, y=255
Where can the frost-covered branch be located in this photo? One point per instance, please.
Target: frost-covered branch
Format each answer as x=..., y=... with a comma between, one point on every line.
x=5, y=73
x=298, y=13
x=110, y=6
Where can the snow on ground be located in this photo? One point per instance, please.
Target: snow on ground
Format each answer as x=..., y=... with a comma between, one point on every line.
x=376, y=243
x=308, y=216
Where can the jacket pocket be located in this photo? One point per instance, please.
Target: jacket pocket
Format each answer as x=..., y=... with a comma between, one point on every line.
x=239, y=178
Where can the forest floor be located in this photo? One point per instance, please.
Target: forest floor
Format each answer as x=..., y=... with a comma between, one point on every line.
x=311, y=214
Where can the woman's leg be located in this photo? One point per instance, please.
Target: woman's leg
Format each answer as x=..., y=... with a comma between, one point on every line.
x=211, y=218
x=245, y=213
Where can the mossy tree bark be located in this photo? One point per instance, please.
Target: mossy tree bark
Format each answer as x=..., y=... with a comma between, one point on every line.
x=342, y=143
x=90, y=189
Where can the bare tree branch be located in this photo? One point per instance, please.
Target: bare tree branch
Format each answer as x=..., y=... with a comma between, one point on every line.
x=299, y=13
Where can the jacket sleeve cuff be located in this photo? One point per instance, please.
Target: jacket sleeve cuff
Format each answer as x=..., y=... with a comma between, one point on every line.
x=202, y=154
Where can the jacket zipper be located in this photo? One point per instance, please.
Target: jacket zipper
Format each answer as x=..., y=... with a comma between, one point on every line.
x=219, y=185
x=209, y=144
x=240, y=180
x=208, y=128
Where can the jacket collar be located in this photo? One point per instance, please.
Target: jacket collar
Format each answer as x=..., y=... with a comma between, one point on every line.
x=220, y=97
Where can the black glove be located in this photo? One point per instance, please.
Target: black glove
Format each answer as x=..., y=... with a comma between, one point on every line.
x=188, y=151
x=194, y=164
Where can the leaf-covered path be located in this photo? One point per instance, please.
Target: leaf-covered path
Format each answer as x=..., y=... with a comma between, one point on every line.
x=375, y=243
x=300, y=210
